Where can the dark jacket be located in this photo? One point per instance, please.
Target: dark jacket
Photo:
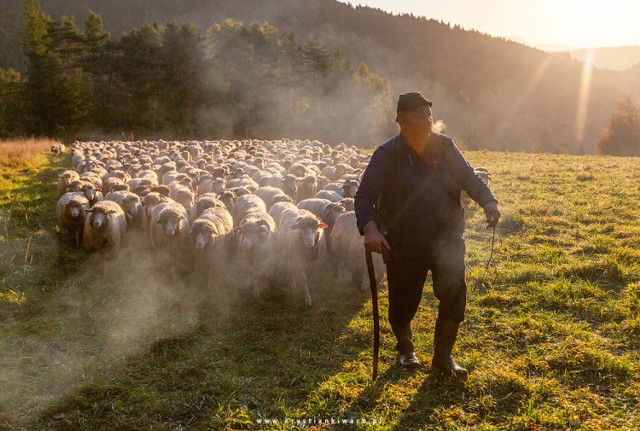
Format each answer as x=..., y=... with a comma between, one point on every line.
x=419, y=201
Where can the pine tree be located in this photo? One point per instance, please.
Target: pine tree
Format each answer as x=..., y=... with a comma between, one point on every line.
x=44, y=89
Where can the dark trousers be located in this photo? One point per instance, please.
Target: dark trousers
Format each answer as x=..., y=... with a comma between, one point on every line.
x=406, y=274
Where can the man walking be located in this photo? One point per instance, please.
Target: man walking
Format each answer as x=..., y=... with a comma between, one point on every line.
x=409, y=203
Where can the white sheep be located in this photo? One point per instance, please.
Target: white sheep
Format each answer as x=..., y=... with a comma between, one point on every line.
x=348, y=248
x=104, y=227
x=298, y=240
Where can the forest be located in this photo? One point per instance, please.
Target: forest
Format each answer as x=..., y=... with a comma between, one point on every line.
x=168, y=80
x=489, y=92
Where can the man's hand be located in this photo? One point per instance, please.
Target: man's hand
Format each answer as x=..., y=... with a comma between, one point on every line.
x=493, y=213
x=373, y=238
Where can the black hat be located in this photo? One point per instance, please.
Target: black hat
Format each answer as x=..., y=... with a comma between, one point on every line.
x=411, y=101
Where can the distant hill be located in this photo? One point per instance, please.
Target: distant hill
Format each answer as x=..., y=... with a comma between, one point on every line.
x=491, y=93
x=614, y=58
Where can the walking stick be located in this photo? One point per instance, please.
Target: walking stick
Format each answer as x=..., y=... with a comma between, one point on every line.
x=374, y=302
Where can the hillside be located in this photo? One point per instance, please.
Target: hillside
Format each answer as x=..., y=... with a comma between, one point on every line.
x=491, y=93
x=613, y=58
x=551, y=338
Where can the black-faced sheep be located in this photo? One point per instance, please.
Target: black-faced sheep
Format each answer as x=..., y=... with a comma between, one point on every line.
x=70, y=211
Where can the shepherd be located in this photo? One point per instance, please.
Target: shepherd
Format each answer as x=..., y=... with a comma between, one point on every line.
x=408, y=205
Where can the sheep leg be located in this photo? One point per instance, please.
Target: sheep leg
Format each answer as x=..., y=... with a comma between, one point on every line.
x=301, y=278
x=255, y=287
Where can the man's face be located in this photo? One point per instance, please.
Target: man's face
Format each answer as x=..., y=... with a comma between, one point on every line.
x=417, y=123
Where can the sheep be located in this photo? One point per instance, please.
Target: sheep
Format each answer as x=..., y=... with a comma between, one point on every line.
x=228, y=198
x=271, y=195
x=70, y=211
x=350, y=188
x=297, y=241
x=347, y=203
x=307, y=188
x=64, y=179
x=129, y=202
x=253, y=239
x=290, y=185
x=483, y=173
x=57, y=148
x=245, y=204
x=348, y=247
x=329, y=195
x=149, y=202
x=244, y=181
x=328, y=212
x=204, y=202
x=104, y=227
x=168, y=233
x=277, y=210
x=208, y=234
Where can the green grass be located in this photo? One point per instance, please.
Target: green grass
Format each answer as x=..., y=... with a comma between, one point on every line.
x=551, y=339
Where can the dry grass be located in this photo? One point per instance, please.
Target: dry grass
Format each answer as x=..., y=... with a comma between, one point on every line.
x=20, y=152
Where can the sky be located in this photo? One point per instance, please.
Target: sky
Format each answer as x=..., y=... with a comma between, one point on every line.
x=571, y=23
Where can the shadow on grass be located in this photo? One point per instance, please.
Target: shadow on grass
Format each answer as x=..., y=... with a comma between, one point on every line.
x=211, y=359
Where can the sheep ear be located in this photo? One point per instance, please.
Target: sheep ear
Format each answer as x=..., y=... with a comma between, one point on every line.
x=296, y=224
x=89, y=210
x=237, y=229
x=323, y=225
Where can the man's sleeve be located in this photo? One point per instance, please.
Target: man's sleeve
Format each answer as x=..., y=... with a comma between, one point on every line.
x=369, y=190
x=471, y=182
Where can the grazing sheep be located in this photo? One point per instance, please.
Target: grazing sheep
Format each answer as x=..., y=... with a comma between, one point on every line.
x=66, y=178
x=104, y=227
x=348, y=248
x=57, y=148
x=297, y=241
x=70, y=211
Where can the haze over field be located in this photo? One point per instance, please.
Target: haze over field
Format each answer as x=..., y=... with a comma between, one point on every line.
x=492, y=93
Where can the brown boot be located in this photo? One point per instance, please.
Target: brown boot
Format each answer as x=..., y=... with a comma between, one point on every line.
x=444, y=339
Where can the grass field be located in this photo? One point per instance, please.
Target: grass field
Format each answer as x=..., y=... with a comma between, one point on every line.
x=552, y=336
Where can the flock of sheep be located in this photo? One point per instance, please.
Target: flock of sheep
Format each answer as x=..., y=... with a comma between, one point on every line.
x=282, y=206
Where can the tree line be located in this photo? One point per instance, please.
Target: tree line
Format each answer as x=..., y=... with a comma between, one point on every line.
x=168, y=80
